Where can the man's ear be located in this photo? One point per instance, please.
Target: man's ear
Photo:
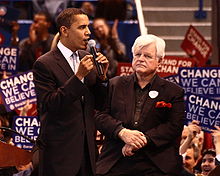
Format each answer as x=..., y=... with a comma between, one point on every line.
x=64, y=31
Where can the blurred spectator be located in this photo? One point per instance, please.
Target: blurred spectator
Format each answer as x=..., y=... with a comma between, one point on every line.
x=131, y=13
x=3, y=123
x=6, y=121
x=190, y=158
x=50, y=6
x=24, y=170
x=109, y=44
x=191, y=134
x=208, y=161
x=216, y=135
x=14, y=33
x=38, y=42
x=111, y=9
x=88, y=8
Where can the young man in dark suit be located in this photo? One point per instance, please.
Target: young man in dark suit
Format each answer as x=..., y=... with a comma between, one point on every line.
x=67, y=87
x=143, y=118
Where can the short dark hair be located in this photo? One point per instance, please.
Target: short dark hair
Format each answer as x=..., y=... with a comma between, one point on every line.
x=65, y=18
x=46, y=14
x=209, y=152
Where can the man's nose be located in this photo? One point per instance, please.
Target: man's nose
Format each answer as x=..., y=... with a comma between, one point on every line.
x=88, y=32
x=142, y=58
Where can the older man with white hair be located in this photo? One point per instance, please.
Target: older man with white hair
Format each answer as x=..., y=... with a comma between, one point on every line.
x=143, y=118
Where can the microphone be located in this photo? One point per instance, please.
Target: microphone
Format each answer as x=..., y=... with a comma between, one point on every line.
x=99, y=68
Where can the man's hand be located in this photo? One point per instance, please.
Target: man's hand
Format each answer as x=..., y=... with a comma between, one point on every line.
x=194, y=129
x=134, y=138
x=105, y=63
x=32, y=34
x=85, y=66
x=114, y=31
x=128, y=150
x=216, y=135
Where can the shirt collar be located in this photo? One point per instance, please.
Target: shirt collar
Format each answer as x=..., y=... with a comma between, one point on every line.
x=147, y=86
x=65, y=51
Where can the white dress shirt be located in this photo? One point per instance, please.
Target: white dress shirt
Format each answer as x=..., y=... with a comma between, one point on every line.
x=71, y=57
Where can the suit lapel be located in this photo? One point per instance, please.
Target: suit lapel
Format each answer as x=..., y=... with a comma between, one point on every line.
x=128, y=87
x=62, y=63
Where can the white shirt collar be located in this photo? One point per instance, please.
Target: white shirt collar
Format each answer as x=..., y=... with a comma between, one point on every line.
x=67, y=53
x=64, y=50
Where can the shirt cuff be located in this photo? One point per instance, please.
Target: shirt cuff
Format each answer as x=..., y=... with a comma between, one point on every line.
x=117, y=131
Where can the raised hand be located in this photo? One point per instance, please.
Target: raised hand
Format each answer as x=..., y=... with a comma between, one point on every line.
x=32, y=34
x=114, y=30
x=194, y=128
x=216, y=135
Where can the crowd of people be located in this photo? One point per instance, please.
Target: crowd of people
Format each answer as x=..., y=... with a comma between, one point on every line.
x=139, y=117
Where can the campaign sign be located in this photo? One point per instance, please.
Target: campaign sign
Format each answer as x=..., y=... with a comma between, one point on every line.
x=171, y=64
x=201, y=81
x=195, y=45
x=16, y=90
x=29, y=126
x=203, y=109
x=124, y=69
x=8, y=59
x=173, y=79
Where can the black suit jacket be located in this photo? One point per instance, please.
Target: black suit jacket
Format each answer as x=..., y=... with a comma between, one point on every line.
x=162, y=125
x=66, y=117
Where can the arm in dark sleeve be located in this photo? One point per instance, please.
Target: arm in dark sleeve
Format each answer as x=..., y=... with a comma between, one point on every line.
x=106, y=124
x=49, y=95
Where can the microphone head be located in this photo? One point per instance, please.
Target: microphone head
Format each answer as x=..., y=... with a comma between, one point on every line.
x=91, y=43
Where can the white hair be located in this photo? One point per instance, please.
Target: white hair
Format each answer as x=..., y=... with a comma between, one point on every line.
x=145, y=40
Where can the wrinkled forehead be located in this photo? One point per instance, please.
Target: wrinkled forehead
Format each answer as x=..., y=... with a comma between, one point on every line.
x=140, y=47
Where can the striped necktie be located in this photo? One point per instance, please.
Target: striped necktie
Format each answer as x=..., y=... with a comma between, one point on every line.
x=75, y=62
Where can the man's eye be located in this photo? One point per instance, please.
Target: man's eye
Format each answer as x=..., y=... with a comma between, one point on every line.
x=137, y=54
x=82, y=27
x=148, y=56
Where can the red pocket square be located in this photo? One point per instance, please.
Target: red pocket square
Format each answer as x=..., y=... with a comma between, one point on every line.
x=163, y=104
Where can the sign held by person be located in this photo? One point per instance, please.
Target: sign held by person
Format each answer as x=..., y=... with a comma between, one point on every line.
x=8, y=59
x=203, y=109
x=196, y=46
x=16, y=90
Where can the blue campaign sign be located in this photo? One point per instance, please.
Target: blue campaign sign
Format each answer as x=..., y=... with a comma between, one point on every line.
x=173, y=79
x=203, y=109
x=16, y=90
x=8, y=59
x=201, y=81
x=28, y=126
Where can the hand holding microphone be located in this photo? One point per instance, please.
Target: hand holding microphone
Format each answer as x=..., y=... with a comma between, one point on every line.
x=100, y=61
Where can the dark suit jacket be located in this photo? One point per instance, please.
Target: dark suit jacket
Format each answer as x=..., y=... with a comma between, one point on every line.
x=65, y=118
x=162, y=125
